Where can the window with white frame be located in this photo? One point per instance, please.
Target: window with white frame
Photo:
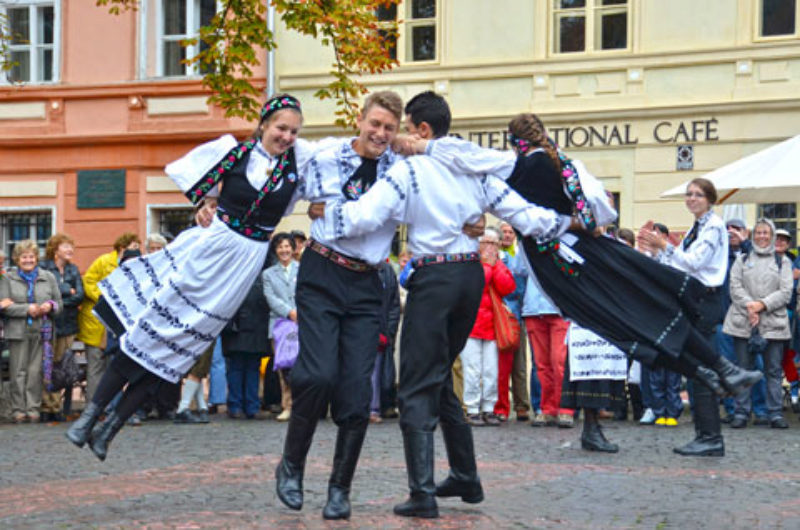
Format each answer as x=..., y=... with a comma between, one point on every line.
x=418, y=34
x=17, y=226
x=778, y=18
x=179, y=20
x=170, y=221
x=590, y=25
x=420, y=30
x=33, y=28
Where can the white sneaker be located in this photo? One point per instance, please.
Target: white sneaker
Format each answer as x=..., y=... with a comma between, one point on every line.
x=648, y=418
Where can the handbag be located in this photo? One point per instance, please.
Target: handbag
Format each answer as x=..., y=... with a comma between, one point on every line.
x=789, y=367
x=66, y=373
x=506, y=326
x=287, y=345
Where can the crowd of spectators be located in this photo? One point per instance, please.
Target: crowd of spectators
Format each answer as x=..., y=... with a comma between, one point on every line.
x=47, y=310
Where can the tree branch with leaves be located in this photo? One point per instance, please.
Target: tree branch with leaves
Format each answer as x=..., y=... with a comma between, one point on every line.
x=230, y=44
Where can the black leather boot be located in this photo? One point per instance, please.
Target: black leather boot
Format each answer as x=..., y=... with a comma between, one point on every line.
x=593, y=439
x=289, y=474
x=463, y=480
x=735, y=379
x=79, y=432
x=103, y=433
x=348, y=447
x=711, y=380
x=418, y=447
x=707, y=425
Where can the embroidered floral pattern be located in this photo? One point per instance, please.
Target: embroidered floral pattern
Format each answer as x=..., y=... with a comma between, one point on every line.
x=116, y=301
x=215, y=175
x=551, y=247
x=276, y=104
x=413, y=175
x=171, y=259
x=137, y=288
x=573, y=184
x=175, y=322
x=497, y=200
x=195, y=306
x=158, y=366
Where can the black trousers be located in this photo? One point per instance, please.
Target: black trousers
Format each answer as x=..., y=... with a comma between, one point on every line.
x=441, y=308
x=338, y=319
x=706, y=403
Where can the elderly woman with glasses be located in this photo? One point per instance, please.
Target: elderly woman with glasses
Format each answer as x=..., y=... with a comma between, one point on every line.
x=29, y=298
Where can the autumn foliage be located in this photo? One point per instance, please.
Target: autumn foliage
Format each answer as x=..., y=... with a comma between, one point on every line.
x=239, y=30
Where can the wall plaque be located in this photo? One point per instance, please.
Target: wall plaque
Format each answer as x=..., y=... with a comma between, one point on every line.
x=103, y=188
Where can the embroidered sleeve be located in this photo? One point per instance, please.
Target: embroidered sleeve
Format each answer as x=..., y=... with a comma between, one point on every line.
x=189, y=171
x=702, y=252
x=541, y=223
x=385, y=201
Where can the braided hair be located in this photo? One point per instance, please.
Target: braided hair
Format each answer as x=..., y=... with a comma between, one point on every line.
x=528, y=132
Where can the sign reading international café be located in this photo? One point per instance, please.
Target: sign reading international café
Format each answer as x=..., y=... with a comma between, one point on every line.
x=663, y=132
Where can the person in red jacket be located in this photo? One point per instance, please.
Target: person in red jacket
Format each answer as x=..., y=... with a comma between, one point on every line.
x=479, y=356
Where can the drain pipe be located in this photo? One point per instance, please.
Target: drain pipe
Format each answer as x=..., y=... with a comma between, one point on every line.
x=271, y=53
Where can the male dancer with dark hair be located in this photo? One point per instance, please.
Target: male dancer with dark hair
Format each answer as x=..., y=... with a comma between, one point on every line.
x=444, y=292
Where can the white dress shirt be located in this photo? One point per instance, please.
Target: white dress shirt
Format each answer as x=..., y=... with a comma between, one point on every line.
x=327, y=172
x=436, y=202
x=707, y=257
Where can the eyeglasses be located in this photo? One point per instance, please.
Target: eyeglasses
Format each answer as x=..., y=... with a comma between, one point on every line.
x=695, y=194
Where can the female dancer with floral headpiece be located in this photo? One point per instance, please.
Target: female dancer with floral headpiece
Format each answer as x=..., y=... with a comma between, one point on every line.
x=648, y=310
x=167, y=307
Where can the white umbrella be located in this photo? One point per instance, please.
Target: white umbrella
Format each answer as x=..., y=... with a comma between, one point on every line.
x=770, y=175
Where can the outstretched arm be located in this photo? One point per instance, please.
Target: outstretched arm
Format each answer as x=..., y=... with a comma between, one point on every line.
x=385, y=201
x=465, y=157
x=542, y=224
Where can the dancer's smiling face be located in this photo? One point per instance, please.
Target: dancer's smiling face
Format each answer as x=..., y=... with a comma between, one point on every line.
x=280, y=131
x=696, y=200
x=377, y=128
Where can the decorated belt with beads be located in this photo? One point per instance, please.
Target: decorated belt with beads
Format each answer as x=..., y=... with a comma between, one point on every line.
x=436, y=259
x=247, y=230
x=347, y=262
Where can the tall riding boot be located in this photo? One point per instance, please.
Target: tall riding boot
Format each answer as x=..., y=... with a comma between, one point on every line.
x=103, y=434
x=418, y=447
x=79, y=432
x=348, y=447
x=708, y=434
x=463, y=480
x=289, y=474
x=592, y=438
x=735, y=379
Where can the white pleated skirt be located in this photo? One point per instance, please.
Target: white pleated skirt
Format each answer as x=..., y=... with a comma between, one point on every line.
x=175, y=302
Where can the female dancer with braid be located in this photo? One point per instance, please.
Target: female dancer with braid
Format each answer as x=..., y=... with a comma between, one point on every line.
x=650, y=311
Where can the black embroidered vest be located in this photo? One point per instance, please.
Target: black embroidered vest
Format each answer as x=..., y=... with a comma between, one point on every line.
x=252, y=212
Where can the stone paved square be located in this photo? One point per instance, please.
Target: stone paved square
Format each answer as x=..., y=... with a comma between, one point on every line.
x=220, y=475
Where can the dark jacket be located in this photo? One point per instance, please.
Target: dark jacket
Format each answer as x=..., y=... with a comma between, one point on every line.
x=248, y=330
x=67, y=320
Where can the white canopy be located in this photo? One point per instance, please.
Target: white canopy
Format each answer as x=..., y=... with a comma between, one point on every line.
x=770, y=175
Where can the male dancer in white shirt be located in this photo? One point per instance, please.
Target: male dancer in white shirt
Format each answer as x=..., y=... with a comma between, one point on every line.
x=338, y=304
x=444, y=292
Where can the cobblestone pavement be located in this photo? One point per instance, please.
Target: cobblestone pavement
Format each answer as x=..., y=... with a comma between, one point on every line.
x=162, y=475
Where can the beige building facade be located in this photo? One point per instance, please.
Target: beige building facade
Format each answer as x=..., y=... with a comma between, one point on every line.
x=648, y=93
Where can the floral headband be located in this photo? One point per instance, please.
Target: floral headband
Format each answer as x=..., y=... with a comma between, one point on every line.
x=279, y=103
x=520, y=143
